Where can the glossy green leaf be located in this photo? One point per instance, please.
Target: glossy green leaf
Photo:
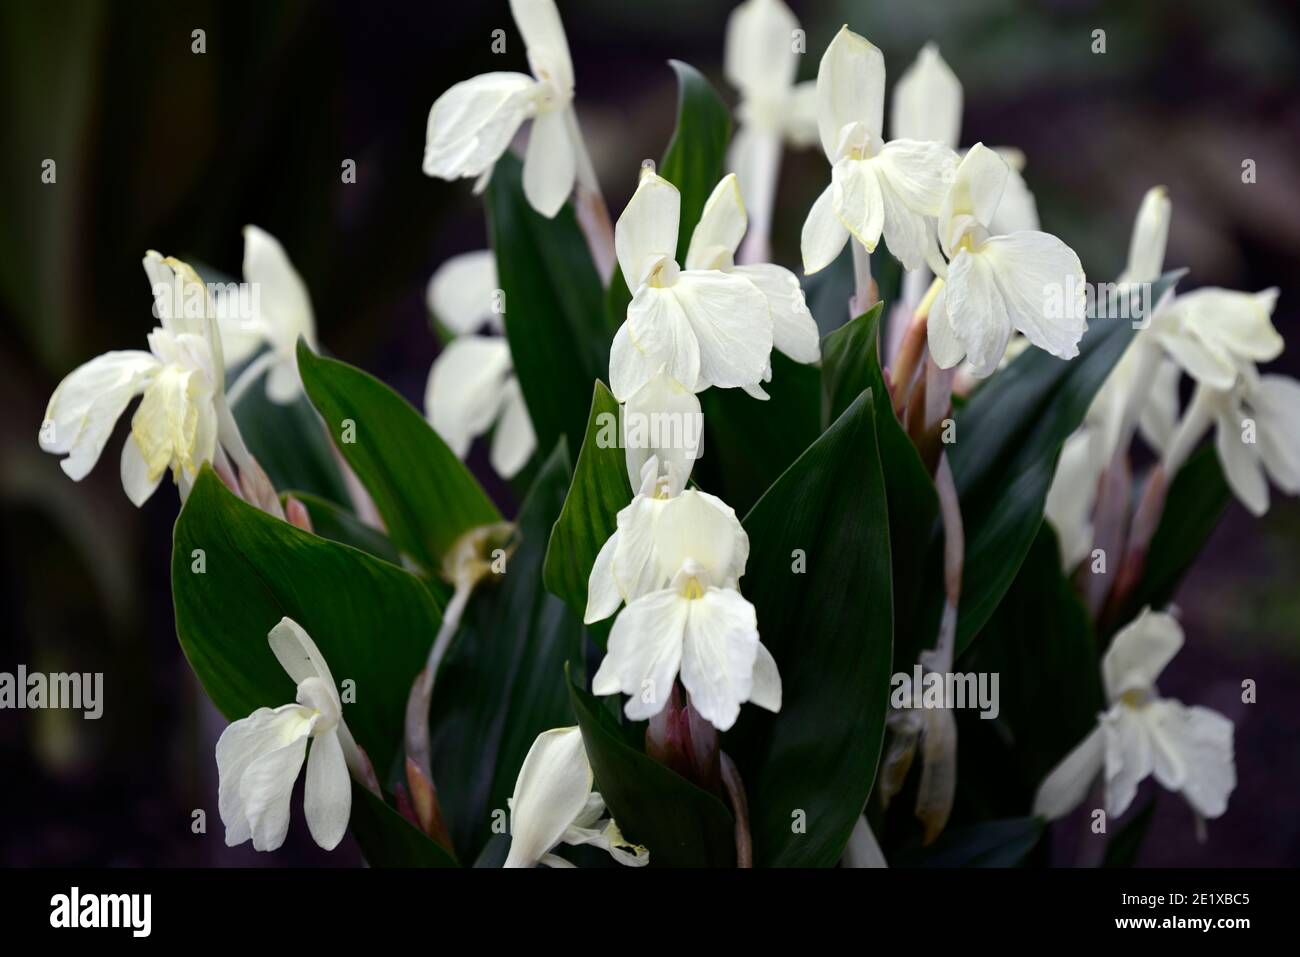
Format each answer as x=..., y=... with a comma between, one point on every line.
x=555, y=314
x=389, y=840
x=372, y=621
x=695, y=156
x=424, y=493
x=339, y=525
x=681, y=824
x=829, y=627
x=599, y=491
x=502, y=682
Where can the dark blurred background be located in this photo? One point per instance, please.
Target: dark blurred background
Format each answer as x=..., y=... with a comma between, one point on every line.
x=159, y=147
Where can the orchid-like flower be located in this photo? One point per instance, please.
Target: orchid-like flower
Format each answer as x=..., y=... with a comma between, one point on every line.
x=1189, y=749
x=472, y=124
x=704, y=327
x=662, y=420
x=876, y=187
x=554, y=804
x=760, y=61
x=472, y=386
x=997, y=284
x=182, y=420
x=927, y=101
x=284, y=314
x=259, y=757
x=1211, y=332
x=692, y=620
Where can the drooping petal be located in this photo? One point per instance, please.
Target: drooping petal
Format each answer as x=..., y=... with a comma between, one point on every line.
x=135, y=474
x=283, y=303
x=655, y=337
x=766, y=689
x=759, y=56
x=327, y=798
x=976, y=312
x=927, y=101
x=823, y=234
x=603, y=596
x=1275, y=401
x=1237, y=324
x=919, y=173
x=266, y=787
x=464, y=392
x=514, y=440
x=946, y=347
x=850, y=89
x=647, y=230
x=644, y=653
x=548, y=48
x=165, y=425
x=1139, y=652
x=1159, y=416
x=732, y=326
x=1070, y=499
x=662, y=419
x=1067, y=785
x=471, y=125
x=1042, y=285
x=462, y=292
x=298, y=655
x=721, y=643
x=550, y=164
x=720, y=229
x=1194, y=754
x=1242, y=466
x=607, y=836
x=858, y=203
x=87, y=404
x=701, y=527
x=244, y=741
x=551, y=791
x=1146, y=251
x=1128, y=756
x=1207, y=366
x=635, y=565
x=794, y=330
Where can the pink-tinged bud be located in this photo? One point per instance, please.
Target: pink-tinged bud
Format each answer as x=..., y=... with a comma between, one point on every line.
x=296, y=514
x=679, y=738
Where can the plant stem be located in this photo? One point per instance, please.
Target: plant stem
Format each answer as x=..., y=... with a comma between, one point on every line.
x=740, y=807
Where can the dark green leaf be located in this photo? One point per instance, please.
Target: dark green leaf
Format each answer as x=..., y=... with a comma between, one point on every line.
x=339, y=525
x=694, y=160
x=682, y=825
x=424, y=493
x=988, y=844
x=829, y=629
x=387, y=839
x=555, y=313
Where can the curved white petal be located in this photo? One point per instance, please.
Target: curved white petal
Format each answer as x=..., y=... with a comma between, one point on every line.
x=603, y=596
x=166, y=423
x=976, y=311
x=823, y=234
x=465, y=389
x=513, y=441
x=135, y=474
x=977, y=187
x=946, y=347
x=721, y=643
x=1017, y=210
x=635, y=566
x=1194, y=754
x=644, y=652
x=759, y=56
x=1241, y=462
x=794, y=330
x=702, y=528
x=656, y=336
x=551, y=790
x=327, y=798
x=1039, y=275
x=548, y=48
x=1139, y=652
x=263, y=732
x=471, y=125
x=927, y=101
x=1207, y=366
x=1146, y=251
x=1276, y=401
x=1159, y=416
x=297, y=653
x=857, y=200
x=265, y=789
x=755, y=157
x=919, y=173
x=720, y=229
x=766, y=689
x=850, y=89
x=87, y=404
x=284, y=305
x=662, y=419
x=647, y=229
x=1070, y=499
x=1067, y=785
x=550, y=164
x=1128, y=756
x=732, y=327
x=462, y=291
x=1238, y=324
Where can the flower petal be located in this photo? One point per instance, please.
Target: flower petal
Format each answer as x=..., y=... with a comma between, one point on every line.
x=794, y=330
x=823, y=234
x=1067, y=785
x=551, y=791
x=858, y=203
x=1128, y=756
x=655, y=337
x=647, y=230
x=297, y=653
x=644, y=652
x=1139, y=652
x=662, y=419
x=701, y=527
x=472, y=124
x=977, y=313
x=550, y=164
x=766, y=689
x=720, y=229
x=603, y=596
x=243, y=742
x=465, y=389
x=135, y=474
x=1194, y=754
x=927, y=101
x=635, y=566
x=732, y=327
x=976, y=192
x=462, y=291
x=759, y=56
x=1275, y=402
x=1033, y=272
x=548, y=48
x=1146, y=251
x=1242, y=465
x=513, y=441
x=946, y=347
x=850, y=89
x=283, y=304
x=265, y=790
x=87, y=404
x=718, y=655
x=327, y=798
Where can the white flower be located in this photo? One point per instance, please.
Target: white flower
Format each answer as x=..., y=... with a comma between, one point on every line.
x=181, y=420
x=1146, y=250
x=259, y=757
x=695, y=621
x=704, y=327
x=1188, y=749
x=472, y=124
x=472, y=385
x=554, y=804
x=997, y=284
x=927, y=101
x=1210, y=332
x=876, y=187
x=662, y=420
x=284, y=314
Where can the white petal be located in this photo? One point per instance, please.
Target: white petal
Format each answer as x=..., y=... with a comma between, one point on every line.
x=656, y=336
x=755, y=157
x=552, y=788
x=514, y=440
x=135, y=474
x=1139, y=652
x=759, y=56
x=1128, y=757
x=283, y=304
x=732, y=327
x=863, y=850
x=635, y=566
x=718, y=654
x=166, y=423
x=471, y=124
x=1067, y=785
x=1241, y=462
x=327, y=799
x=976, y=312
x=647, y=230
x=927, y=101
x=550, y=165
x=850, y=89
x=298, y=654
x=766, y=689
x=603, y=597
x=919, y=173
x=1275, y=401
x=1017, y=211
x=794, y=330
x=87, y=404
x=858, y=203
x=644, y=652
x=1034, y=271
x=720, y=229
x=462, y=292
x=1194, y=754
x=823, y=234
x=243, y=742
x=465, y=389
x=1146, y=251
x=1070, y=499
x=976, y=192
x=701, y=527
x=282, y=382
x=946, y=347
x=1236, y=323
x=1159, y=416
x=1208, y=366
x=548, y=48
x=266, y=788
x=662, y=419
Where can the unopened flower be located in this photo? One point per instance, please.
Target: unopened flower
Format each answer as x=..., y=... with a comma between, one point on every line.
x=927, y=101
x=1189, y=749
x=998, y=284
x=554, y=804
x=695, y=622
x=704, y=327
x=472, y=124
x=876, y=187
x=259, y=757
x=472, y=386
